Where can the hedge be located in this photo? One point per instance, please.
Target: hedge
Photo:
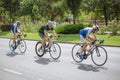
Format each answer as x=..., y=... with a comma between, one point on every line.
x=70, y=28
x=6, y=27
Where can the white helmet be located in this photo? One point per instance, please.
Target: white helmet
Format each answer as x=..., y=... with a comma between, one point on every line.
x=50, y=23
x=96, y=27
x=18, y=22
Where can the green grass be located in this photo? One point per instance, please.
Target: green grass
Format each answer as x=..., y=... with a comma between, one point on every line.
x=109, y=40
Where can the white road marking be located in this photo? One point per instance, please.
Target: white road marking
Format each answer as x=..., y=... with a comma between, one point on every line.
x=12, y=71
x=40, y=79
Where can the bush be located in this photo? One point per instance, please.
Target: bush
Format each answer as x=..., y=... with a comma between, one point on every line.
x=114, y=28
x=6, y=27
x=70, y=28
x=31, y=27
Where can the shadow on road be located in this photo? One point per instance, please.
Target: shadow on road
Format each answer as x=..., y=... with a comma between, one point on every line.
x=13, y=54
x=45, y=61
x=88, y=67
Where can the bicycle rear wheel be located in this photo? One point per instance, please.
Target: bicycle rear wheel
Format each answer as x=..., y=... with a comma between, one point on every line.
x=55, y=51
x=11, y=44
x=99, y=56
x=76, y=48
x=39, y=50
x=22, y=46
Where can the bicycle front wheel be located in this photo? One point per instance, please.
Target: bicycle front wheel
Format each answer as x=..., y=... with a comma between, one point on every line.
x=99, y=56
x=22, y=46
x=75, y=50
x=55, y=51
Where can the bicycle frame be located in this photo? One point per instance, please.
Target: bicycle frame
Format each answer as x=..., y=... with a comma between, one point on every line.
x=93, y=46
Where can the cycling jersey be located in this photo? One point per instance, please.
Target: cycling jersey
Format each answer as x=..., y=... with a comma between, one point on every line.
x=85, y=32
x=41, y=31
x=12, y=29
x=44, y=28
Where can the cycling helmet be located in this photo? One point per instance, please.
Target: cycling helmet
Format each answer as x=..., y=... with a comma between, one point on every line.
x=18, y=22
x=50, y=23
x=96, y=27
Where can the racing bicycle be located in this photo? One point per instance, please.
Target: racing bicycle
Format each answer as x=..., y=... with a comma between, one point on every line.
x=19, y=43
x=96, y=51
x=53, y=48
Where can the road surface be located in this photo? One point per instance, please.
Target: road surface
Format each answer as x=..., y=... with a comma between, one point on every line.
x=28, y=66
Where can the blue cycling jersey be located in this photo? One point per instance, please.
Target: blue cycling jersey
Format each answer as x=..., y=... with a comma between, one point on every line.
x=85, y=31
x=14, y=27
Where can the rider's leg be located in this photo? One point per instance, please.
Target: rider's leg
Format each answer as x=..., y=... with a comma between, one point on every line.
x=14, y=37
x=89, y=39
x=44, y=41
x=83, y=48
x=82, y=37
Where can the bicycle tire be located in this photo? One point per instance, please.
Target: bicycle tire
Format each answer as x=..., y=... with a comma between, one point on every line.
x=76, y=48
x=22, y=46
x=10, y=43
x=37, y=47
x=55, y=47
x=99, y=51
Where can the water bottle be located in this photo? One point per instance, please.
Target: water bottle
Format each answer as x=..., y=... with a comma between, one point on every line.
x=18, y=41
x=88, y=48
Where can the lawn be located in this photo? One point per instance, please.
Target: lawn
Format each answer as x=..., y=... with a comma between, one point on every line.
x=73, y=38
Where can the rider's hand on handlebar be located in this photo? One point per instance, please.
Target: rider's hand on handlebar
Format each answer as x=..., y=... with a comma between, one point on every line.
x=58, y=37
x=93, y=42
x=25, y=35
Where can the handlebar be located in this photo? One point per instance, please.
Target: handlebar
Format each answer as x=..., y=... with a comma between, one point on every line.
x=50, y=37
x=100, y=41
x=21, y=35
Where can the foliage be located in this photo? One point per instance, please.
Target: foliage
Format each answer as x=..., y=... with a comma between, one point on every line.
x=69, y=28
x=12, y=7
x=114, y=28
x=31, y=27
x=26, y=7
x=107, y=8
x=73, y=5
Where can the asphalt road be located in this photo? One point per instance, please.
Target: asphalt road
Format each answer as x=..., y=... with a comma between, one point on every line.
x=28, y=66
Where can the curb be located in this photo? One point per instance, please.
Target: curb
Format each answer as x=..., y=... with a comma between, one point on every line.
x=64, y=42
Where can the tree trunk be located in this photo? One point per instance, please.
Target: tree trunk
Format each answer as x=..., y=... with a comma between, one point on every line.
x=105, y=15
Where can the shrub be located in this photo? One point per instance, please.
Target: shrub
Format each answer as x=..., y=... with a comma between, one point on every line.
x=6, y=27
x=31, y=27
x=114, y=28
x=70, y=28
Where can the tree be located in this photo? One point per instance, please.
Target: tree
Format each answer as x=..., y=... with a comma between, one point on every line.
x=11, y=6
x=26, y=7
x=50, y=9
x=74, y=6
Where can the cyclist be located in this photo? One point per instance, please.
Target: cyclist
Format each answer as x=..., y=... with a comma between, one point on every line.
x=85, y=36
x=43, y=32
x=15, y=28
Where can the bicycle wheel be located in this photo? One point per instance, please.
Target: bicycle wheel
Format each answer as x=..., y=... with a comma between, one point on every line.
x=76, y=48
x=38, y=49
x=99, y=56
x=11, y=44
x=55, y=51
x=22, y=46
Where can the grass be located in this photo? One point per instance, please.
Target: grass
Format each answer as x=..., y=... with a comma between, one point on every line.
x=109, y=40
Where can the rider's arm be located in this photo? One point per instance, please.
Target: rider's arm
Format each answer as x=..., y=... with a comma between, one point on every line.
x=46, y=33
x=55, y=34
x=21, y=31
x=95, y=33
x=15, y=31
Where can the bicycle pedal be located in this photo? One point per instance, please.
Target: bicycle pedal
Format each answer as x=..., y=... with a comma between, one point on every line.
x=85, y=56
